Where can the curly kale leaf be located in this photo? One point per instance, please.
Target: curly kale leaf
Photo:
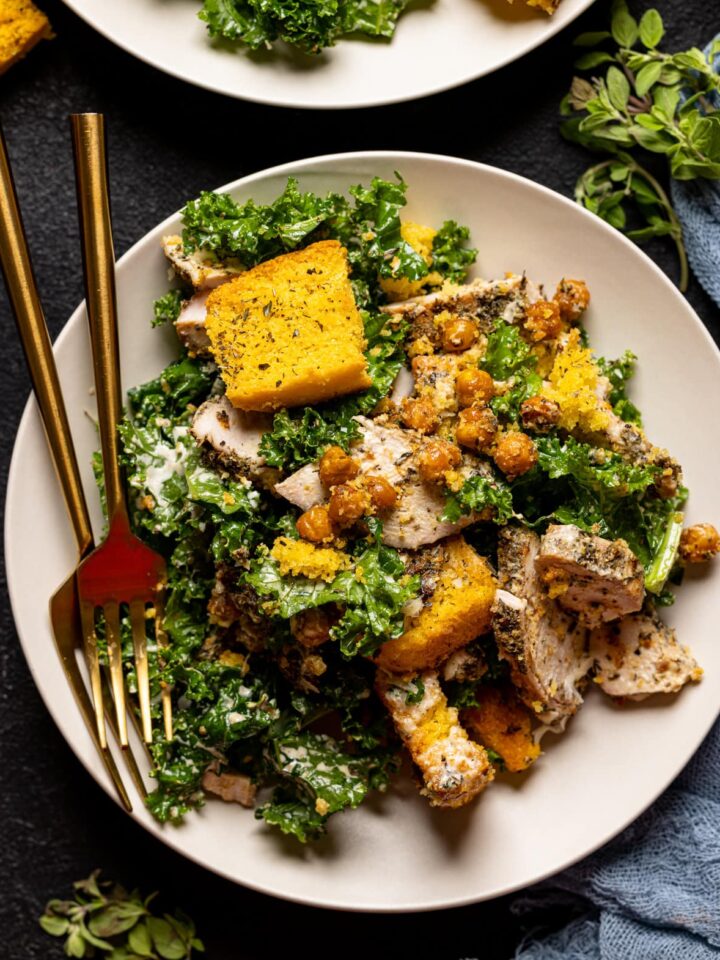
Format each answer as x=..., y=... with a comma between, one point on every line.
x=619, y=373
x=597, y=470
x=166, y=309
x=183, y=382
x=477, y=494
x=450, y=256
x=509, y=358
x=300, y=438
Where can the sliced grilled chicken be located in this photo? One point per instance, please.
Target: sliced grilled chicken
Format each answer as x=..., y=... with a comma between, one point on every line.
x=454, y=769
x=596, y=579
x=190, y=325
x=201, y=268
x=389, y=452
x=640, y=655
x=231, y=438
x=545, y=647
x=230, y=786
x=483, y=301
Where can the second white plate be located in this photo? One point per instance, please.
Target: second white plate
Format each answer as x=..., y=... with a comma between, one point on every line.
x=438, y=44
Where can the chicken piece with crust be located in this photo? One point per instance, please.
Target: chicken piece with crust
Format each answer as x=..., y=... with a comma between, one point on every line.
x=482, y=301
x=389, y=452
x=231, y=438
x=201, y=268
x=640, y=655
x=230, y=786
x=546, y=648
x=457, y=611
x=190, y=325
x=596, y=579
x=501, y=722
x=454, y=768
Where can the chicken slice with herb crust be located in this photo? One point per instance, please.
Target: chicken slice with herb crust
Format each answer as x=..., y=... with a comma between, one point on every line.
x=640, y=655
x=454, y=768
x=389, y=452
x=231, y=438
x=596, y=579
x=190, y=325
x=201, y=268
x=483, y=301
x=545, y=647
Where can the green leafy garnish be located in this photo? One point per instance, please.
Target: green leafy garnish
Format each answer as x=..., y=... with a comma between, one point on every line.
x=477, y=494
x=648, y=100
x=618, y=373
x=451, y=257
x=510, y=358
x=104, y=919
x=166, y=309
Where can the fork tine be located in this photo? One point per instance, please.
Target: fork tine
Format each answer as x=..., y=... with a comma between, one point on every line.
x=87, y=617
x=128, y=755
x=137, y=619
x=165, y=690
x=117, y=680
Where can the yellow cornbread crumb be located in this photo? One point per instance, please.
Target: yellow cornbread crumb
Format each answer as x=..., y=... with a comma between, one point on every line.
x=459, y=610
x=502, y=723
x=299, y=558
x=22, y=25
x=420, y=239
x=573, y=386
x=288, y=331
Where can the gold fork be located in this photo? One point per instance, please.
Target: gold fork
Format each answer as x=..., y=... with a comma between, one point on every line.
x=35, y=339
x=122, y=571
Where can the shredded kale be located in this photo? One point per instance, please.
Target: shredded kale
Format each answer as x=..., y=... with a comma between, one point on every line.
x=477, y=494
x=166, y=309
x=450, y=255
x=510, y=358
x=618, y=373
x=595, y=469
x=309, y=25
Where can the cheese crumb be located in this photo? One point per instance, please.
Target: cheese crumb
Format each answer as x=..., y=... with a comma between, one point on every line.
x=302, y=559
x=574, y=387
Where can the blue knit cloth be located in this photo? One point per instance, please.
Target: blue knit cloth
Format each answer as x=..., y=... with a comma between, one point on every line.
x=697, y=203
x=653, y=893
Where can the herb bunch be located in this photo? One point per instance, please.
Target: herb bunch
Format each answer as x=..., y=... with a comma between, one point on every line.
x=648, y=101
x=106, y=920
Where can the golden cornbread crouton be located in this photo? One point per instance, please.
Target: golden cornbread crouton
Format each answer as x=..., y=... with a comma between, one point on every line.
x=454, y=768
x=288, y=331
x=501, y=722
x=459, y=609
x=22, y=25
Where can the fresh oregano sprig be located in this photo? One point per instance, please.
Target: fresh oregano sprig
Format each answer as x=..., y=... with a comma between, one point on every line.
x=105, y=920
x=647, y=100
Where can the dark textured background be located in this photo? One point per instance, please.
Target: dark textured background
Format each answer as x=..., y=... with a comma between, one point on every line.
x=56, y=823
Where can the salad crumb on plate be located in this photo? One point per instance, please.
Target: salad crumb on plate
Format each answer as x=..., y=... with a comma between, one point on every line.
x=437, y=560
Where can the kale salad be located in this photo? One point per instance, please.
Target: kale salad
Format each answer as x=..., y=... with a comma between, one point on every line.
x=405, y=514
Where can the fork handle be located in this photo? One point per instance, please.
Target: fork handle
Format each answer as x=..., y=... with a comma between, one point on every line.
x=88, y=132
x=28, y=312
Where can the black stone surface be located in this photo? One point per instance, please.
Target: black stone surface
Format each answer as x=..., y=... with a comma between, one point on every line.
x=56, y=824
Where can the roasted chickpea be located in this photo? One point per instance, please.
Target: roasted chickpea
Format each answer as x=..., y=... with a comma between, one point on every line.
x=539, y=414
x=543, y=321
x=474, y=386
x=382, y=493
x=699, y=544
x=458, y=335
x=419, y=414
x=314, y=525
x=476, y=428
x=336, y=466
x=348, y=503
x=436, y=458
x=572, y=298
x=515, y=454
x=311, y=628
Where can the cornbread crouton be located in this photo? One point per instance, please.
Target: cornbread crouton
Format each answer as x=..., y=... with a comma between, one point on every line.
x=458, y=611
x=549, y=6
x=22, y=26
x=288, y=331
x=420, y=239
x=502, y=723
x=201, y=268
x=640, y=655
x=454, y=768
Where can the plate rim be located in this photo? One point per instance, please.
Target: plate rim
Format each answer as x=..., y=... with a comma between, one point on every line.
x=555, y=27
x=27, y=422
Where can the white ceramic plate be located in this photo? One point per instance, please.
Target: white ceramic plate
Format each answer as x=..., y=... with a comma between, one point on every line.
x=395, y=852
x=438, y=44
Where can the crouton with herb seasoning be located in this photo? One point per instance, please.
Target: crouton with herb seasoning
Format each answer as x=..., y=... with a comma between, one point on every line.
x=502, y=723
x=22, y=26
x=458, y=610
x=453, y=767
x=288, y=331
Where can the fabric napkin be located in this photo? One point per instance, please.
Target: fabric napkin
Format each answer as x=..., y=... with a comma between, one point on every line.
x=653, y=893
